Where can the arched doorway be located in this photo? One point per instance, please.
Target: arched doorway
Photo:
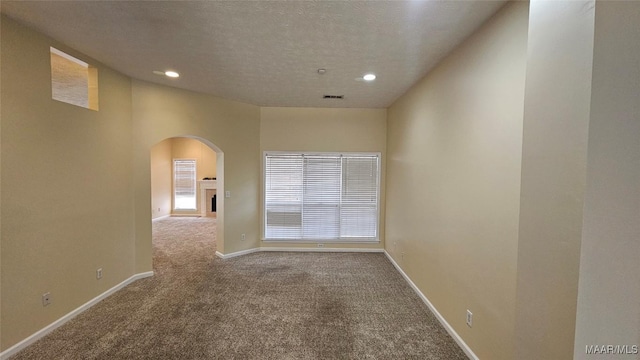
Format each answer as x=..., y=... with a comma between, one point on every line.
x=187, y=180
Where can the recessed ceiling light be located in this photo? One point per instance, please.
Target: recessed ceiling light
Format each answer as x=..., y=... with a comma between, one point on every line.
x=369, y=77
x=172, y=74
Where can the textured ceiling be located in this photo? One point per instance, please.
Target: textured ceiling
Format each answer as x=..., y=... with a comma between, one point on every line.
x=264, y=52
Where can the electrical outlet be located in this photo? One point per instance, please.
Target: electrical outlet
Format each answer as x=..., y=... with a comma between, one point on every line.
x=243, y=237
x=46, y=299
x=469, y=318
x=320, y=245
x=99, y=273
x=402, y=255
x=227, y=194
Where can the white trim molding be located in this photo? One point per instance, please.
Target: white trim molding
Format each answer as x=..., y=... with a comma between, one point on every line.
x=61, y=321
x=320, y=249
x=160, y=217
x=237, y=253
x=295, y=249
x=467, y=350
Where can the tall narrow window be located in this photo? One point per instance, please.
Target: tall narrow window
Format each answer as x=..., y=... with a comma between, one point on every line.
x=321, y=196
x=184, y=184
x=73, y=81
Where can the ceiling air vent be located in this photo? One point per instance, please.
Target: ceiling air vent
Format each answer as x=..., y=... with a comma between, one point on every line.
x=333, y=97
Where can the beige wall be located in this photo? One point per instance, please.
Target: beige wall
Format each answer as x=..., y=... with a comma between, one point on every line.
x=556, y=120
x=187, y=148
x=161, y=179
x=231, y=128
x=453, y=182
x=2, y=347
x=325, y=130
x=609, y=287
x=205, y=157
x=67, y=188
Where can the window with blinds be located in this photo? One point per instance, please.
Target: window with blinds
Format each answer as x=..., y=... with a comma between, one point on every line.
x=184, y=184
x=321, y=196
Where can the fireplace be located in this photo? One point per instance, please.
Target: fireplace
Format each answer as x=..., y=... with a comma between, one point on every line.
x=208, y=192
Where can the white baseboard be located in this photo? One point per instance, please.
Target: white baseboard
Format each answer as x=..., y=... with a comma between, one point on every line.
x=467, y=350
x=49, y=328
x=322, y=249
x=161, y=217
x=293, y=249
x=237, y=253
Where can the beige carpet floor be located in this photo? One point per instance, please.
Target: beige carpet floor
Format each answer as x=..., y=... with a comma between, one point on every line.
x=258, y=306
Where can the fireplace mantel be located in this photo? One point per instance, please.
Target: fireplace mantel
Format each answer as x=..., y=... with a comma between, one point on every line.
x=205, y=185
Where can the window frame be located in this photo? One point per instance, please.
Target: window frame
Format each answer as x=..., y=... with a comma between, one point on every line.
x=349, y=240
x=195, y=181
x=67, y=95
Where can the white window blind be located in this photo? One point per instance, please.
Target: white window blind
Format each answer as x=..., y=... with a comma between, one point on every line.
x=359, y=206
x=321, y=196
x=184, y=184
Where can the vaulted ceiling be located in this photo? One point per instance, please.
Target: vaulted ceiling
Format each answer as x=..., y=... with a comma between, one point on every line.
x=265, y=53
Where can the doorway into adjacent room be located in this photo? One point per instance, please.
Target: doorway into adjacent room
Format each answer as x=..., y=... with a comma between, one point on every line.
x=186, y=177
